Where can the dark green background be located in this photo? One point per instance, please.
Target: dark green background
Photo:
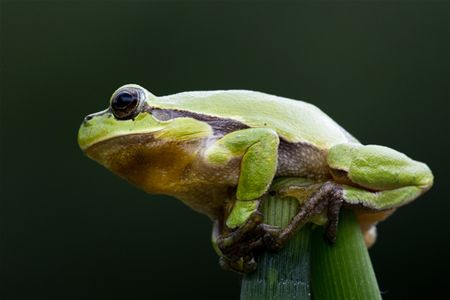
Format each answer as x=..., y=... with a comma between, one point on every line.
x=69, y=229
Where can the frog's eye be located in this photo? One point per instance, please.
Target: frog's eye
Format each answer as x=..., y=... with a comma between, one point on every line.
x=125, y=103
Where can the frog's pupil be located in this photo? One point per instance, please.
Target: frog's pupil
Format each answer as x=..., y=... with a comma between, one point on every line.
x=124, y=99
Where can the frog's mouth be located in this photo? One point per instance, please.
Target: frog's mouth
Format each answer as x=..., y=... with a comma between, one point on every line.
x=103, y=126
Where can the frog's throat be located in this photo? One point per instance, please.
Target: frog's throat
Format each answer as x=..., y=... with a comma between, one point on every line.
x=152, y=164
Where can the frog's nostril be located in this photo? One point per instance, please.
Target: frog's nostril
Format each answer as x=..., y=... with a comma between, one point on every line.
x=97, y=114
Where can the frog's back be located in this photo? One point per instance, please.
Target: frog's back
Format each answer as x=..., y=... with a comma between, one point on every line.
x=295, y=121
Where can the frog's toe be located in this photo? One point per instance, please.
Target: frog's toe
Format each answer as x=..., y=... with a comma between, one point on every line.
x=249, y=264
x=247, y=231
x=245, y=264
x=272, y=241
x=271, y=229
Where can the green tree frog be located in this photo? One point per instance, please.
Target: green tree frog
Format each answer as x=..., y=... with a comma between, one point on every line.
x=219, y=151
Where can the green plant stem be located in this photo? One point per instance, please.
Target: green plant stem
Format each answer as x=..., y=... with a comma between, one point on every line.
x=339, y=271
x=343, y=270
x=286, y=274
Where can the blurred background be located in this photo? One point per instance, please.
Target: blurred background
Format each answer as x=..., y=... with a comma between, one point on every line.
x=69, y=229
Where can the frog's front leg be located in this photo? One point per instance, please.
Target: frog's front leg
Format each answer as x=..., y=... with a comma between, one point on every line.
x=375, y=177
x=258, y=150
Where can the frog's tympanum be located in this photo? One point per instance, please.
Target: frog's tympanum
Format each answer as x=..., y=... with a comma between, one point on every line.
x=219, y=151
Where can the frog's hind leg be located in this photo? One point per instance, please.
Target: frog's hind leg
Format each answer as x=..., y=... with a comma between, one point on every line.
x=378, y=179
x=334, y=207
x=328, y=196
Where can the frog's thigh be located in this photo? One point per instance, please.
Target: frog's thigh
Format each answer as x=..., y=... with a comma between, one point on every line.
x=258, y=148
x=378, y=167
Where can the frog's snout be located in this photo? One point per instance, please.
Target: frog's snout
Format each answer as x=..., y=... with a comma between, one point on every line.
x=87, y=118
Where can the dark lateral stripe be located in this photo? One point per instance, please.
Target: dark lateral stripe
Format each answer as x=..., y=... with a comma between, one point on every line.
x=220, y=126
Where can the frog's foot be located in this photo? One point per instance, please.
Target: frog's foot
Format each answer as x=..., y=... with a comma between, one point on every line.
x=226, y=242
x=334, y=207
x=239, y=247
x=328, y=196
x=240, y=257
x=246, y=238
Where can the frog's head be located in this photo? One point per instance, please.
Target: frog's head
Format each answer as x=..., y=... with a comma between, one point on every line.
x=128, y=113
x=127, y=139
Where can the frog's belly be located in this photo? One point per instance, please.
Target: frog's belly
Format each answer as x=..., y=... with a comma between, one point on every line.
x=207, y=189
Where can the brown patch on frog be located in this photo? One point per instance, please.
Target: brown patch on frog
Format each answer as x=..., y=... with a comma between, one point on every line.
x=301, y=160
x=149, y=163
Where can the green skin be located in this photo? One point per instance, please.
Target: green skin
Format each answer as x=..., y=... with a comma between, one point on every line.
x=219, y=151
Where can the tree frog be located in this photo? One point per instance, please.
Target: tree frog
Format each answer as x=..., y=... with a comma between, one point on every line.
x=219, y=151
